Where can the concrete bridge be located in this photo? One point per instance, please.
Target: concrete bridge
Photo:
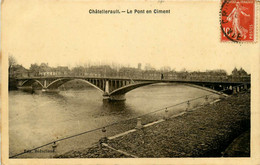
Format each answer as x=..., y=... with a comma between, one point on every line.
x=116, y=88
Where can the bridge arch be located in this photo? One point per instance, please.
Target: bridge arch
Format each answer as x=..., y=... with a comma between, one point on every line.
x=127, y=88
x=123, y=90
x=203, y=88
x=30, y=82
x=57, y=83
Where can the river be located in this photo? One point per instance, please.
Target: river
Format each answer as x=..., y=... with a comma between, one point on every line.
x=36, y=119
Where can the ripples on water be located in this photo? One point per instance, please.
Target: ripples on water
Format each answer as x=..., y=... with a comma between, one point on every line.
x=36, y=119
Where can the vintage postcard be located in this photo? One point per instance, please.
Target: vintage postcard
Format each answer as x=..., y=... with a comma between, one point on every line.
x=130, y=82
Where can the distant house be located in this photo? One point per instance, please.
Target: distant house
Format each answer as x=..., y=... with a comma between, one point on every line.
x=61, y=71
x=171, y=75
x=46, y=70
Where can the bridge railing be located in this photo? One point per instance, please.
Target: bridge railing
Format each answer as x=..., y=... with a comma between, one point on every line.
x=91, y=137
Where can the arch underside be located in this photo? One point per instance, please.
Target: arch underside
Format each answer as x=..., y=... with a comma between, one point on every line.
x=127, y=88
x=30, y=82
x=57, y=83
x=203, y=88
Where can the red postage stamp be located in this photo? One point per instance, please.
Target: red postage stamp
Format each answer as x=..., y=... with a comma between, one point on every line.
x=238, y=20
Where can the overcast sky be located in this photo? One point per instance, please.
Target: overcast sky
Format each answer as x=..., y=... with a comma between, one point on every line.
x=64, y=33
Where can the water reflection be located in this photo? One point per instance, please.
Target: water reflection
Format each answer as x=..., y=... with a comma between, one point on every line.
x=116, y=107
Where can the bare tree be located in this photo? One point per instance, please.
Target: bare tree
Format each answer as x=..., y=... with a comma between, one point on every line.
x=11, y=62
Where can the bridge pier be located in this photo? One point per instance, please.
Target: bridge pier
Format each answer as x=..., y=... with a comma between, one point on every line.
x=105, y=96
x=120, y=97
x=107, y=87
x=45, y=84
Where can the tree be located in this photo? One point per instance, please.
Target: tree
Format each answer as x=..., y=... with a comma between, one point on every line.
x=242, y=72
x=34, y=68
x=78, y=70
x=235, y=72
x=11, y=62
x=165, y=69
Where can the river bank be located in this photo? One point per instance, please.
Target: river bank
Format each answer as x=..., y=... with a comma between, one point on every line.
x=205, y=132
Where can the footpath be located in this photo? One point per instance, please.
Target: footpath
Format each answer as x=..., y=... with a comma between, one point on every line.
x=213, y=130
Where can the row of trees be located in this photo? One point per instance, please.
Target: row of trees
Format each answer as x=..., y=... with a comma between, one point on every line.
x=16, y=70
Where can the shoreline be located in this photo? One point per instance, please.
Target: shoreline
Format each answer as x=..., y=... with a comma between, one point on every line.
x=204, y=132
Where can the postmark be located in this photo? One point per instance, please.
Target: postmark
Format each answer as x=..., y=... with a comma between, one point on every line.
x=237, y=20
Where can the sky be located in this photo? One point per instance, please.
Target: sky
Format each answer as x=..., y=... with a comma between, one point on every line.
x=64, y=33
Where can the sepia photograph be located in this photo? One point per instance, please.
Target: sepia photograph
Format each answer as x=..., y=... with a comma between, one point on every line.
x=95, y=82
